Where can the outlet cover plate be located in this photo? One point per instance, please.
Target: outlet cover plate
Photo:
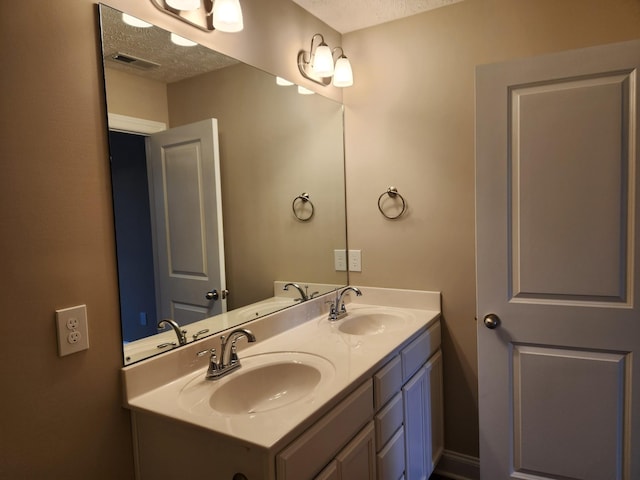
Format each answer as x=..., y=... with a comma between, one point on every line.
x=355, y=260
x=73, y=331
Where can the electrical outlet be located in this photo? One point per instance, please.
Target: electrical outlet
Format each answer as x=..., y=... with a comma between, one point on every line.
x=355, y=260
x=72, y=323
x=340, y=260
x=73, y=332
x=74, y=337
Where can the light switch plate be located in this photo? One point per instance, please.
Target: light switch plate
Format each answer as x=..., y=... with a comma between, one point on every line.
x=73, y=331
x=355, y=260
x=340, y=260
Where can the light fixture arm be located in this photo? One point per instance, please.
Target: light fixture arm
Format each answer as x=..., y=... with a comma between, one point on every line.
x=311, y=49
x=200, y=18
x=341, y=52
x=304, y=62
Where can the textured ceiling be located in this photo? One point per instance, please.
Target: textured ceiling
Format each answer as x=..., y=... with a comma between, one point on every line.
x=349, y=15
x=153, y=45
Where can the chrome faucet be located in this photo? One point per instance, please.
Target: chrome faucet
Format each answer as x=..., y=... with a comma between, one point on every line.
x=338, y=309
x=303, y=293
x=220, y=368
x=181, y=334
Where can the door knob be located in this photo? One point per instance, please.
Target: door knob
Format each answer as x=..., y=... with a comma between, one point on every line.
x=214, y=295
x=491, y=321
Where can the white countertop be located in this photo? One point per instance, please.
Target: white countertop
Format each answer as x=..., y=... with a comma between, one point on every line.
x=354, y=358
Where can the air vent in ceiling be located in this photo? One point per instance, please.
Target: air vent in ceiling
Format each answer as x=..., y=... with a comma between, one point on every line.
x=132, y=61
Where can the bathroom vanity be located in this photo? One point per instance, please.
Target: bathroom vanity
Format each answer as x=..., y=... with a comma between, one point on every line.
x=355, y=398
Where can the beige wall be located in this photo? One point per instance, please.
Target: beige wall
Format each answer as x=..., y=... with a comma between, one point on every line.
x=61, y=417
x=135, y=96
x=410, y=123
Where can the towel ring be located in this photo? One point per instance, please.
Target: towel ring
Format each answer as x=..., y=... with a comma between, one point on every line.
x=393, y=193
x=304, y=198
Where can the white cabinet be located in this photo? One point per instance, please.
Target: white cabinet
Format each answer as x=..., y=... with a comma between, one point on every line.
x=409, y=426
x=423, y=421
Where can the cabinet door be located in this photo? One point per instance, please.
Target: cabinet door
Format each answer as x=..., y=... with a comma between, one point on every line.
x=358, y=459
x=329, y=473
x=423, y=419
x=417, y=426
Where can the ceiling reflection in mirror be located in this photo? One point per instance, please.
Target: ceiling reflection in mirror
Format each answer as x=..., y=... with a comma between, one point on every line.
x=263, y=178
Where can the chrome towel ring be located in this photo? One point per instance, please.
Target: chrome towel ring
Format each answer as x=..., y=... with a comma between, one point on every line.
x=392, y=192
x=304, y=201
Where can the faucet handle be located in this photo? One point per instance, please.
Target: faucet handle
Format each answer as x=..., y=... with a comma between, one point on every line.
x=234, y=354
x=202, y=353
x=201, y=332
x=213, y=361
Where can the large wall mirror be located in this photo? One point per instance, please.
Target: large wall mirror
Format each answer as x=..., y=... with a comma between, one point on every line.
x=226, y=186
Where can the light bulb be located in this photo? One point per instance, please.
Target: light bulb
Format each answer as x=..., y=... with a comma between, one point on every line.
x=227, y=16
x=305, y=91
x=323, y=61
x=183, y=4
x=135, y=22
x=343, y=75
x=283, y=82
x=183, y=42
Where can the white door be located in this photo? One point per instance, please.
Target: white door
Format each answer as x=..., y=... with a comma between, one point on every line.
x=558, y=266
x=184, y=184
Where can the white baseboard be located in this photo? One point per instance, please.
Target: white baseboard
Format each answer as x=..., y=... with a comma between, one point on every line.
x=458, y=466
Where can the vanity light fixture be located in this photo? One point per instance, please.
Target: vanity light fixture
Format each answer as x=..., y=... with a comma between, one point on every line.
x=318, y=65
x=207, y=15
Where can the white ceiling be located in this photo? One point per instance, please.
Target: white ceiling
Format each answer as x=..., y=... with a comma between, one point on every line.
x=349, y=15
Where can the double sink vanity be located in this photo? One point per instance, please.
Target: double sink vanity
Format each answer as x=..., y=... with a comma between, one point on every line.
x=359, y=397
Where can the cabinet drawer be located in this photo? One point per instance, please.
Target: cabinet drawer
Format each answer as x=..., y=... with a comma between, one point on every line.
x=388, y=420
x=387, y=382
x=315, y=448
x=390, y=460
x=417, y=352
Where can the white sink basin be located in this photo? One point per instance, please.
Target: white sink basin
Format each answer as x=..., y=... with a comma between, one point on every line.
x=263, y=383
x=370, y=323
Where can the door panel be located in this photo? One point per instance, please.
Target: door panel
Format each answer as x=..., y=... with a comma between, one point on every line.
x=557, y=262
x=569, y=196
x=184, y=210
x=558, y=431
